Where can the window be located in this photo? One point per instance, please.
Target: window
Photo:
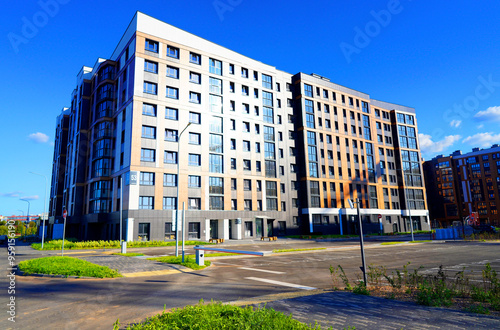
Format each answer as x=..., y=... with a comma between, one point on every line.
x=247, y=165
x=195, y=58
x=195, y=77
x=151, y=46
x=246, y=126
x=256, y=93
x=194, y=97
x=248, y=204
x=171, y=113
x=257, y=147
x=233, y=163
x=170, y=157
x=233, y=144
x=149, y=109
x=171, y=135
x=169, y=203
x=244, y=72
x=308, y=90
x=246, y=108
x=194, y=138
x=247, y=185
x=147, y=155
x=245, y=90
x=194, y=203
x=150, y=66
x=231, y=68
x=246, y=145
x=215, y=67
x=172, y=52
x=170, y=180
x=258, y=166
x=194, y=160
x=150, y=88
x=194, y=181
x=172, y=72
x=267, y=81
x=172, y=93
x=216, y=163
x=231, y=87
x=147, y=179
x=146, y=202
x=194, y=230
x=149, y=132
x=194, y=117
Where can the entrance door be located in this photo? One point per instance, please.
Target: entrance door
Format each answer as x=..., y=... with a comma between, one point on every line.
x=281, y=227
x=270, y=228
x=395, y=227
x=214, y=226
x=248, y=229
x=258, y=227
x=231, y=229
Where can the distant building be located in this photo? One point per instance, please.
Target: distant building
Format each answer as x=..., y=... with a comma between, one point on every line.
x=460, y=184
x=266, y=153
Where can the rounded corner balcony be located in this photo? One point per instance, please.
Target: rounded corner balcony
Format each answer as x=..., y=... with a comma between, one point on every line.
x=106, y=71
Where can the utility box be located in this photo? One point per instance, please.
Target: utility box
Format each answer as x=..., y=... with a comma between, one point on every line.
x=200, y=256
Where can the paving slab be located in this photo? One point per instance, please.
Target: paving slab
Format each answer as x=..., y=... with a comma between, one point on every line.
x=340, y=310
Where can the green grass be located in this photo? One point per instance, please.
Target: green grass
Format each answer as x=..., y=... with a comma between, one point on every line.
x=189, y=261
x=129, y=254
x=67, y=266
x=294, y=250
x=421, y=241
x=72, y=244
x=392, y=243
x=219, y=316
x=320, y=236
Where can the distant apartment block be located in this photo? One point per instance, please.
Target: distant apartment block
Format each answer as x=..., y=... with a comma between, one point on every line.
x=460, y=184
x=254, y=151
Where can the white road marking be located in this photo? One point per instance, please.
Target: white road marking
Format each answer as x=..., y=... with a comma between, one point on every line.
x=291, y=285
x=262, y=270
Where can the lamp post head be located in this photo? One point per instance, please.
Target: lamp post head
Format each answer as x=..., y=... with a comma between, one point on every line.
x=351, y=204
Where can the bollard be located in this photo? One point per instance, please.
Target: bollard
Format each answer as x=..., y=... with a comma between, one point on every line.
x=124, y=247
x=200, y=256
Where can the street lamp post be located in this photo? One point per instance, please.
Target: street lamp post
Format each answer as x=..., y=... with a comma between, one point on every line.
x=178, y=200
x=360, y=239
x=44, y=207
x=27, y=214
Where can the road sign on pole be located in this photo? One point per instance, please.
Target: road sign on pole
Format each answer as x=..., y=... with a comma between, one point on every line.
x=380, y=216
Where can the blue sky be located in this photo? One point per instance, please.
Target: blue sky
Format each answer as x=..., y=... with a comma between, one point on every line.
x=439, y=57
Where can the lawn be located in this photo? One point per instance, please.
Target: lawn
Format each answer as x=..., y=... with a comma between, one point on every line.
x=189, y=261
x=129, y=254
x=219, y=316
x=67, y=266
x=72, y=244
x=295, y=250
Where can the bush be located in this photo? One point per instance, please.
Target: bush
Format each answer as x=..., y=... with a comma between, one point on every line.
x=219, y=316
x=72, y=244
x=67, y=266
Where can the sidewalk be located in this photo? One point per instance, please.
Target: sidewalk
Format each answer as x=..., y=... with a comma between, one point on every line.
x=343, y=309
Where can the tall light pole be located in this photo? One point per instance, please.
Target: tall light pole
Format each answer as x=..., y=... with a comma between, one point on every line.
x=351, y=203
x=44, y=207
x=27, y=214
x=178, y=200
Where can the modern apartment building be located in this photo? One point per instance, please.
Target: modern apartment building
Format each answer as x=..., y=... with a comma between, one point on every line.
x=460, y=184
x=171, y=119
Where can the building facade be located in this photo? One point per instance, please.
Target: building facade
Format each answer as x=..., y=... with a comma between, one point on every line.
x=172, y=119
x=462, y=184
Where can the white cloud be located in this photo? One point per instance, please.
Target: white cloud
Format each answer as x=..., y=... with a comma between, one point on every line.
x=429, y=146
x=490, y=114
x=480, y=126
x=14, y=194
x=30, y=198
x=455, y=123
x=482, y=140
x=38, y=137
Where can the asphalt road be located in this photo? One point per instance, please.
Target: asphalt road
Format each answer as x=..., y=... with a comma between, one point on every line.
x=97, y=304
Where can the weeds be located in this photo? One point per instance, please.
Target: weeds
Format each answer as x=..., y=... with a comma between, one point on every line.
x=438, y=289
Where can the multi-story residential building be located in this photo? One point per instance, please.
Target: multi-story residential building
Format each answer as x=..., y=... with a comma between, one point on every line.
x=462, y=184
x=172, y=119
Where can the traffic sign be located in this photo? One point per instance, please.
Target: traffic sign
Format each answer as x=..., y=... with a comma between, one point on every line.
x=65, y=214
x=380, y=216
